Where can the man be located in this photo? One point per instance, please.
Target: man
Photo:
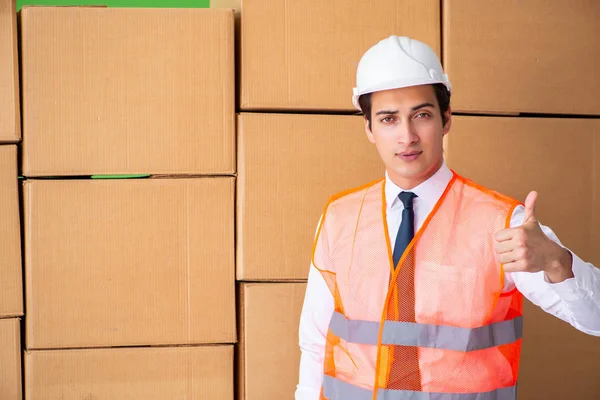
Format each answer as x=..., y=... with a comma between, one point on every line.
x=416, y=283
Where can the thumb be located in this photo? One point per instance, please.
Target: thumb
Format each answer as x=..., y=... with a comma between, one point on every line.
x=530, y=207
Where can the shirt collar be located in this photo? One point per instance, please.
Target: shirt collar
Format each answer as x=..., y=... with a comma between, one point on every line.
x=428, y=192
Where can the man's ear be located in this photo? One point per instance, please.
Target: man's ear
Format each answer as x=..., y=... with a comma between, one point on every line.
x=448, y=125
x=368, y=131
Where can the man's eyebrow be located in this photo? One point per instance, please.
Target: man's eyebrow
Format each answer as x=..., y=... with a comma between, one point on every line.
x=386, y=112
x=415, y=108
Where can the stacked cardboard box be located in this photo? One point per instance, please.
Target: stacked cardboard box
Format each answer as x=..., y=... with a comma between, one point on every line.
x=129, y=262
x=115, y=264
x=131, y=373
x=303, y=55
x=10, y=123
x=289, y=165
x=534, y=57
x=559, y=159
x=269, y=355
x=10, y=359
x=523, y=57
x=11, y=287
x=142, y=91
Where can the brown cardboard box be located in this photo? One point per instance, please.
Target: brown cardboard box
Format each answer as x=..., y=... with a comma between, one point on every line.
x=557, y=157
x=204, y=372
x=11, y=282
x=10, y=120
x=10, y=359
x=269, y=355
x=289, y=166
x=532, y=56
x=127, y=91
x=302, y=55
x=129, y=262
x=560, y=159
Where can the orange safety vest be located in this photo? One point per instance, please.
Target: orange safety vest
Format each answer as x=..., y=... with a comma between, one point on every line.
x=467, y=332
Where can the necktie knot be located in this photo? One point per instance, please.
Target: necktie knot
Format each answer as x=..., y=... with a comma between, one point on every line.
x=407, y=199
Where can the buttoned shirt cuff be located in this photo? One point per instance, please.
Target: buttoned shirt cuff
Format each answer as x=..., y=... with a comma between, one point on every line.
x=571, y=289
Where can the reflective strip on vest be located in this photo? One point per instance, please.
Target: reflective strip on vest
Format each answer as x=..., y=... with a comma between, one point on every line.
x=427, y=335
x=335, y=389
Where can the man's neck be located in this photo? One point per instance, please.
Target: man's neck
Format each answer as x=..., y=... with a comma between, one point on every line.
x=408, y=183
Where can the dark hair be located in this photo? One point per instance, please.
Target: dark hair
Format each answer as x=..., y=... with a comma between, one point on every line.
x=441, y=93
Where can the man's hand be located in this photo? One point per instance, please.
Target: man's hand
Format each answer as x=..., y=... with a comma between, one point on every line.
x=527, y=248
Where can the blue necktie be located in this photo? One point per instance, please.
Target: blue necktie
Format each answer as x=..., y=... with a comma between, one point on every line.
x=406, y=232
x=404, y=372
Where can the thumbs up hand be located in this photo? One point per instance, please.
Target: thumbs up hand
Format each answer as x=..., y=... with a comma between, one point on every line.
x=527, y=248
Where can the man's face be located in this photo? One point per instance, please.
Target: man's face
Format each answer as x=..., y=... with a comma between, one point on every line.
x=406, y=128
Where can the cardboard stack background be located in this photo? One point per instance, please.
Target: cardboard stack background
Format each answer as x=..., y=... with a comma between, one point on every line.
x=526, y=120
x=128, y=202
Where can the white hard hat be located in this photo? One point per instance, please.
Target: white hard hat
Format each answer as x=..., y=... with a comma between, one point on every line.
x=397, y=62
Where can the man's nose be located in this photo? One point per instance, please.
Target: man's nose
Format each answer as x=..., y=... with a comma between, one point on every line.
x=406, y=133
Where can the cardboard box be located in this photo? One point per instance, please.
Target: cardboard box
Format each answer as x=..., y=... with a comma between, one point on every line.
x=303, y=55
x=530, y=56
x=569, y=371
x=560, y=159
x=130, y=373
x=289, y=166
x=10, y=359
x=269, y=355
x=129, y=262
x=557, y=157
x=11, y=281
x=10, y=119
x=127, y=91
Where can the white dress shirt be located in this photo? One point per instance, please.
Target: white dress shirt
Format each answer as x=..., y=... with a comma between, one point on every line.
x=575, y=300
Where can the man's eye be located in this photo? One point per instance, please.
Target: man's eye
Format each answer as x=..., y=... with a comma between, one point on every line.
x=423, y=115
x=387, y=120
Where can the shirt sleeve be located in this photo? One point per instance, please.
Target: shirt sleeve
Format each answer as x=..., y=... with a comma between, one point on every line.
x=575, y=300
x=314, y=323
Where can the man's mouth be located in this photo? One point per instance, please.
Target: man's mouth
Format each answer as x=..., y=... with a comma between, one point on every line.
x=409, y=155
